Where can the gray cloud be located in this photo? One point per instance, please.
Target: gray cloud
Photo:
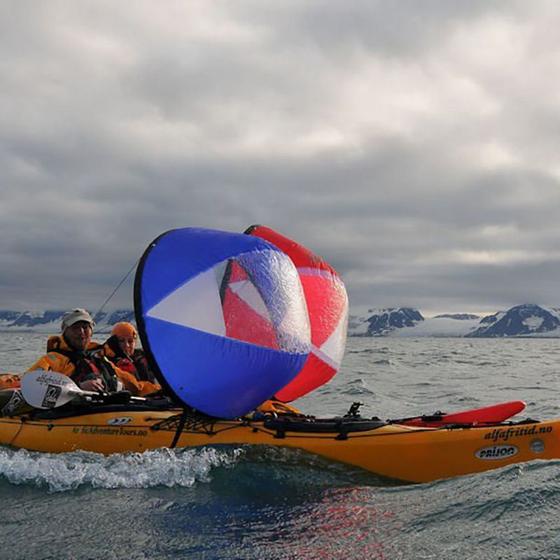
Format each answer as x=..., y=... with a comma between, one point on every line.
x=413, y=145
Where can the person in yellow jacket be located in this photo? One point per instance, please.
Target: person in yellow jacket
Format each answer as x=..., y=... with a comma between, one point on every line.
x=121, y=349
x=74, y=354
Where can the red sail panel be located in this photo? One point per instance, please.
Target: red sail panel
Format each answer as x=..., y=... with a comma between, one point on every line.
x=315, y=373
x=245, y=314
x=327, y=306
x=326, y=303
x=299, y=255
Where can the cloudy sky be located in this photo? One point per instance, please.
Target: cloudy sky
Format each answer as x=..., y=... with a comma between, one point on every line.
x=413, y=144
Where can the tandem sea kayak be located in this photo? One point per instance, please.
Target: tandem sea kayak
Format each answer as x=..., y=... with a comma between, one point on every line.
x=230, y=321
x=399, y=452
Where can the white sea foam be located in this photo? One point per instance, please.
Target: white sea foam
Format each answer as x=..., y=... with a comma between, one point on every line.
x=70, y=471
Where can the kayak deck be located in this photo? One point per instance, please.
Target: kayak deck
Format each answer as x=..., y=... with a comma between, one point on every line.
x=405, y=453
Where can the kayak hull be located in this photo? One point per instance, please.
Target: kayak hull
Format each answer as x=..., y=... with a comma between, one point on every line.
x=405, y=453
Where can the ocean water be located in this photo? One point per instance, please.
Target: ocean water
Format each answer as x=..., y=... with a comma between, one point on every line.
x=249, y=503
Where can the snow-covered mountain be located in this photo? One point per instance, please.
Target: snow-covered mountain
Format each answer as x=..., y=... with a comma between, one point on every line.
x=49, y=321
x=527, y=320
x=409, y=322
x=382, y=322
x=522, y=321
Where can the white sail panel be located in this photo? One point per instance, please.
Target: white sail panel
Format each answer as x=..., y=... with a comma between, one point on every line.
x=332, y=349
x=246, y=291
x=195, y=304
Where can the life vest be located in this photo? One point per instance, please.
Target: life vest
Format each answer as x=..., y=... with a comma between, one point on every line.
x=9, y=381
x=137, y=364
x=89, y=364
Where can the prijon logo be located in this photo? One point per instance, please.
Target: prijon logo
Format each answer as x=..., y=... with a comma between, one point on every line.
x=497, y=452
x=120, y=421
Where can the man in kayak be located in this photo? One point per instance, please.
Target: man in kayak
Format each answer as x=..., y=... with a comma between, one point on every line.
x=74, y=354
x=121, y=349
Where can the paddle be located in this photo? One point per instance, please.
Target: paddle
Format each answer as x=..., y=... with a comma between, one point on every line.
x=50, y=389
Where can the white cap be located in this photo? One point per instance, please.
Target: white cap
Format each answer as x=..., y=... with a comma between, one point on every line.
x=75, y=316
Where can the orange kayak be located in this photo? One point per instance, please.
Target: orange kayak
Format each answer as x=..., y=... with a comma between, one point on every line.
x=404, y=453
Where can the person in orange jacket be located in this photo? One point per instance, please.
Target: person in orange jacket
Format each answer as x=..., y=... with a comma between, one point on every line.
x=121, y=349
x=74, y=354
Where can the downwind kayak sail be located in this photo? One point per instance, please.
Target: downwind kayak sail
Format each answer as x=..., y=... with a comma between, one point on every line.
x=327, y=304
x=220, y=355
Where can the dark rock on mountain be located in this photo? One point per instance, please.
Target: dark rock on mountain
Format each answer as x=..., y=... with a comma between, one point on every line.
x=116, y=316
x=457, y=316
x=386, y=320
x=27, y=319
x=9, y=316
x=489, y=319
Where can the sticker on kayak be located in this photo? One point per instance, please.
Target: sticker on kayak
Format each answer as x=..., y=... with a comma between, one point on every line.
x=16, y=400
x=497, y=452
x=119, y=421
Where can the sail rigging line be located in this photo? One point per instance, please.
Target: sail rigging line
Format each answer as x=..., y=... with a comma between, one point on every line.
x=98, y=312
x=180, y=427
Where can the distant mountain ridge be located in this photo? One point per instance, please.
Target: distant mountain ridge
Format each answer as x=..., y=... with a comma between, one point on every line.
x=526, y=320
x=50, y=320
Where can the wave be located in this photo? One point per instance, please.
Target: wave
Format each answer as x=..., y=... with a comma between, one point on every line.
x=70, y=471
x=182, y=468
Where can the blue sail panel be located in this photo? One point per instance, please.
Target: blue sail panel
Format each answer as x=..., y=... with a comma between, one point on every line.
x=224, y=386
x=222, y=317
x=184, y=253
